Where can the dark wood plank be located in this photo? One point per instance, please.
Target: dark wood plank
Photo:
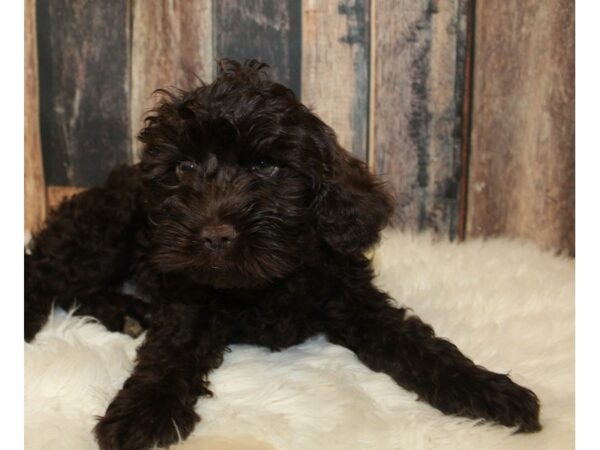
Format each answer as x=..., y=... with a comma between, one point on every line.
x=466, y=118
x=267, y=30
x=84, y=88
x=522, y=162
x=417, y=58
x=335, y=38
x=35, y=201
x=171, y=47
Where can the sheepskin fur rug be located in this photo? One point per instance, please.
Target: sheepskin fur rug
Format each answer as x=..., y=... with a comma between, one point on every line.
x=506, y=304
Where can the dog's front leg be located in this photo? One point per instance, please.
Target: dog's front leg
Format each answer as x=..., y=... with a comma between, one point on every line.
x=389, y=340
x=155, y=407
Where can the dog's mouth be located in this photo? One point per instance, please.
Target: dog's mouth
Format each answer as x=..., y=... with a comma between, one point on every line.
x=225, y=275
x=222, y=270
x=216, y=260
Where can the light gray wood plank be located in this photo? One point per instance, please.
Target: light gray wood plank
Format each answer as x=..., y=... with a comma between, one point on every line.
x=417, y=62
x=335, y=67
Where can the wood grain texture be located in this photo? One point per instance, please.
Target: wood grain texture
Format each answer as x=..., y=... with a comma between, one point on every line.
x=335, y=67
x=522, y=162
x=35, y=200
x=171, y=47
x=267, y=30
x=466, y=116
x=56, y=194
x=84, y=88
x=417, y=69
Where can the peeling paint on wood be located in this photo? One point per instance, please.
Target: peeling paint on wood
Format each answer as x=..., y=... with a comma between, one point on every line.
x=83, y=50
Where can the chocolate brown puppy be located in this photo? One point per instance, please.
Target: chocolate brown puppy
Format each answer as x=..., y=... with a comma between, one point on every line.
x=244, y=222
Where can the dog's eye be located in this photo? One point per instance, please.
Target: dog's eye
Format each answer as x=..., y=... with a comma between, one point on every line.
x=185, y=167
x=264, y=167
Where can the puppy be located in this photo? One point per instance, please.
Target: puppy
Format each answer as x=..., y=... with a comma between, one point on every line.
x=244, y=222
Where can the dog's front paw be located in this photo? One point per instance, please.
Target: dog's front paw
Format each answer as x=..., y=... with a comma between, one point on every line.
x=500, y=399
x=523, y=408
x=144, y=419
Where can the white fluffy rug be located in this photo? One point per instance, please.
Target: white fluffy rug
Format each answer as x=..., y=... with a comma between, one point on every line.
x=506, y=304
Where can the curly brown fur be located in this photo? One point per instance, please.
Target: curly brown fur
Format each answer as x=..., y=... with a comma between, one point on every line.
x=244, y=222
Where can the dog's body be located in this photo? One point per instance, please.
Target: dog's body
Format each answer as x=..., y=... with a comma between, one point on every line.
x=244, y=222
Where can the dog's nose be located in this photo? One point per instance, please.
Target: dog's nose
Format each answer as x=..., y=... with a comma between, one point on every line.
x=218, y=237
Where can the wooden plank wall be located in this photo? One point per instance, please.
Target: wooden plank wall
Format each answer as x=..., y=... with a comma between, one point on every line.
x=388, y=75
x=267, y=30
x=522, y=161
x=335, y=67
x=84, y=88
x=417, y=65
x=35, y=200
x=171, y=47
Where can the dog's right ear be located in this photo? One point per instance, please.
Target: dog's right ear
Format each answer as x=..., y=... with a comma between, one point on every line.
x=353, y=206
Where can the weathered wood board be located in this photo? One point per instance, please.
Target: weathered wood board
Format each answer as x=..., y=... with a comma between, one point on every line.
x=267, y=30
x=56, y=194
x=388, y=75
x=335, y=67
x=83, y=49
x=522, y=162
x=465, y=126
x=417, y=65
x=171, y=47
x=35, y=202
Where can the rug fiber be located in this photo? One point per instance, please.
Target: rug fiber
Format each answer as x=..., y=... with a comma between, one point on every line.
x=506, y=304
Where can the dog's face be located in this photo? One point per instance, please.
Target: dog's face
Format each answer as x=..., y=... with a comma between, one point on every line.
x=246, y=184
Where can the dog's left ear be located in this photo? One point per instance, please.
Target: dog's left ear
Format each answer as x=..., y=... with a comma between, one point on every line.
x=353, y=206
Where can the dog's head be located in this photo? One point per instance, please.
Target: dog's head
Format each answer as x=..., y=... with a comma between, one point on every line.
x=246, y=184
